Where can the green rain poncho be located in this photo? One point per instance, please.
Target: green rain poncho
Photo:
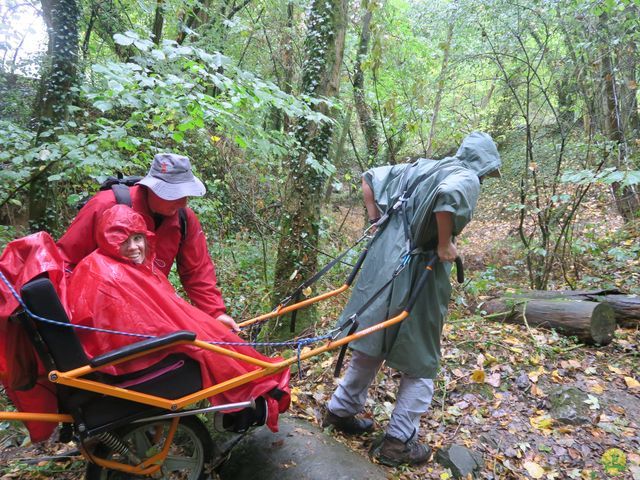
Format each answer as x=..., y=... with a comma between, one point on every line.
x=448, y=185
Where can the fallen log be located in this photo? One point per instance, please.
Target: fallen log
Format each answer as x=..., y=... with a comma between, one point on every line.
x=591, y=322
x=625, y=307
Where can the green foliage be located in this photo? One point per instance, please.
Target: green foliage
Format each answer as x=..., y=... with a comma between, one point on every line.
x=173, y=98
x=174, y=91
x=606, y=176
x=608, y=259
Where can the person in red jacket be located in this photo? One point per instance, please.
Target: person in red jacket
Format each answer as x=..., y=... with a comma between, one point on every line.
x=119, y=287
x=158, y=197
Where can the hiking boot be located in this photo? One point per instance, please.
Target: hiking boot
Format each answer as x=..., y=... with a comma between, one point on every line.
x=349, y=425
x=393, y=452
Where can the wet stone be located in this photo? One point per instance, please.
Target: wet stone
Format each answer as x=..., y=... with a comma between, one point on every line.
x=489, y=440
x=299, y=451
x=568, y=406
x=628, y=402
x=522, y=381
x=460, y=460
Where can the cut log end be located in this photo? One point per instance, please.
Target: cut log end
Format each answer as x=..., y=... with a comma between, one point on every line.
x=603, y=324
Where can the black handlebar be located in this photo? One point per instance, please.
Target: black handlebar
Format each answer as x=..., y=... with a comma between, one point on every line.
x=459, y=270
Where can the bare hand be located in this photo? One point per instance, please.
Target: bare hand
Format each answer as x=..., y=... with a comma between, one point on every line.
x=228, y=322
x=447, y=252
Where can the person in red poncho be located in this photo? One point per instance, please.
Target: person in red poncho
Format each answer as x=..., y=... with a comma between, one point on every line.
x=118, y=287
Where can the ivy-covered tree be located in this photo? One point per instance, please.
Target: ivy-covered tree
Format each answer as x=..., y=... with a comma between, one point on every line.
x=56, y=92
x=309, y=167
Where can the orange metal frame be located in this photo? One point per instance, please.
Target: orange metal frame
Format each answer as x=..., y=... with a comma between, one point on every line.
x=72, y=378
x=146, y=467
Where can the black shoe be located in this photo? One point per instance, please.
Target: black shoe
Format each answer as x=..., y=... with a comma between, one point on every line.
x=393, y=452
x=349, y=425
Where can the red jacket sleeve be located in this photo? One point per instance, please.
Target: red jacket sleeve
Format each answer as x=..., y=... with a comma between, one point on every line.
x=196, y=270
x=80, y=240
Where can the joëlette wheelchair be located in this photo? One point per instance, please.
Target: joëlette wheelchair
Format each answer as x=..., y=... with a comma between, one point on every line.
x=138, y=424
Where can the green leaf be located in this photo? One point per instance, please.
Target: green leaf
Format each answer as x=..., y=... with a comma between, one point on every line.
x=241, y=141
x=103, y=105
x=614, y=177
x=115, y=86
x=183, y=127
x=143, y=45
x=122, y=39
x=73, y=199
x=177, y=136
x=158, y=54
x=631, y=177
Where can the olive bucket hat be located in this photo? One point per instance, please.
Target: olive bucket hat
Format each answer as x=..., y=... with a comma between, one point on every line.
x=170, y=177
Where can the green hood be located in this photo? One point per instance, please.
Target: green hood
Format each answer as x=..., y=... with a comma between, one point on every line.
x=479, y=153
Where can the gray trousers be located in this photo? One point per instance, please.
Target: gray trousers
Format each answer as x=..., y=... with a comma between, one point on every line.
x=412, y=400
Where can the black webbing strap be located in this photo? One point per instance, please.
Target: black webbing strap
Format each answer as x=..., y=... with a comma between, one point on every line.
x=343, y=349
x=121, y=194
x=400, y=205
x=319, y=274
x=294, y=314
x=182, y=218
x=354, y=318
x=356, y=267
x=295, y=296
x=421, y=282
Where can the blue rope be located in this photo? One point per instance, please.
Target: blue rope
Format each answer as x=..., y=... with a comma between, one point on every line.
x=297, y=343
x=63, y=324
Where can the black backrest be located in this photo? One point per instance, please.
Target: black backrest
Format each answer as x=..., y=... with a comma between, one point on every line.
x=62, y=343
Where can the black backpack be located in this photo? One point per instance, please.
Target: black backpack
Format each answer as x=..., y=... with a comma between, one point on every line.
x=120, y=187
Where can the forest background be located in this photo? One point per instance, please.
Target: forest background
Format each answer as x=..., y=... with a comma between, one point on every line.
x=282, y=105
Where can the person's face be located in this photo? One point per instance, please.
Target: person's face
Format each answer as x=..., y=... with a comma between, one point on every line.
x=134, y=248
x=166, y=208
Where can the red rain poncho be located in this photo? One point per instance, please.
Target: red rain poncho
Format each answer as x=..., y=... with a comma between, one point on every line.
x=108, y=291
x=22, y=260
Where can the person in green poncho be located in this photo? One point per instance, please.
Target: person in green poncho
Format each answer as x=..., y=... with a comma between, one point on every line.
x=428, y=203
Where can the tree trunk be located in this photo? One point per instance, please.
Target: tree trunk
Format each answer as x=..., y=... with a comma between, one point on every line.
x=590, y=322
x=367, y=123
x=197, y=16
x=310, y=167
x=627, y=55
x=626, y=197
x=55, y=94
x=158, y=22
x=441, y=86
x=109, y=21
x=625, y=307
x=280, y=120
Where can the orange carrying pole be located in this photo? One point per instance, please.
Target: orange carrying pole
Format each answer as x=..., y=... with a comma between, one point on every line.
x=36, y=417
x=296, y=306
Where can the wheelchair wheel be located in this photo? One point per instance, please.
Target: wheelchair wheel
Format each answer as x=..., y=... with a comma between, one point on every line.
x=189, y=453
